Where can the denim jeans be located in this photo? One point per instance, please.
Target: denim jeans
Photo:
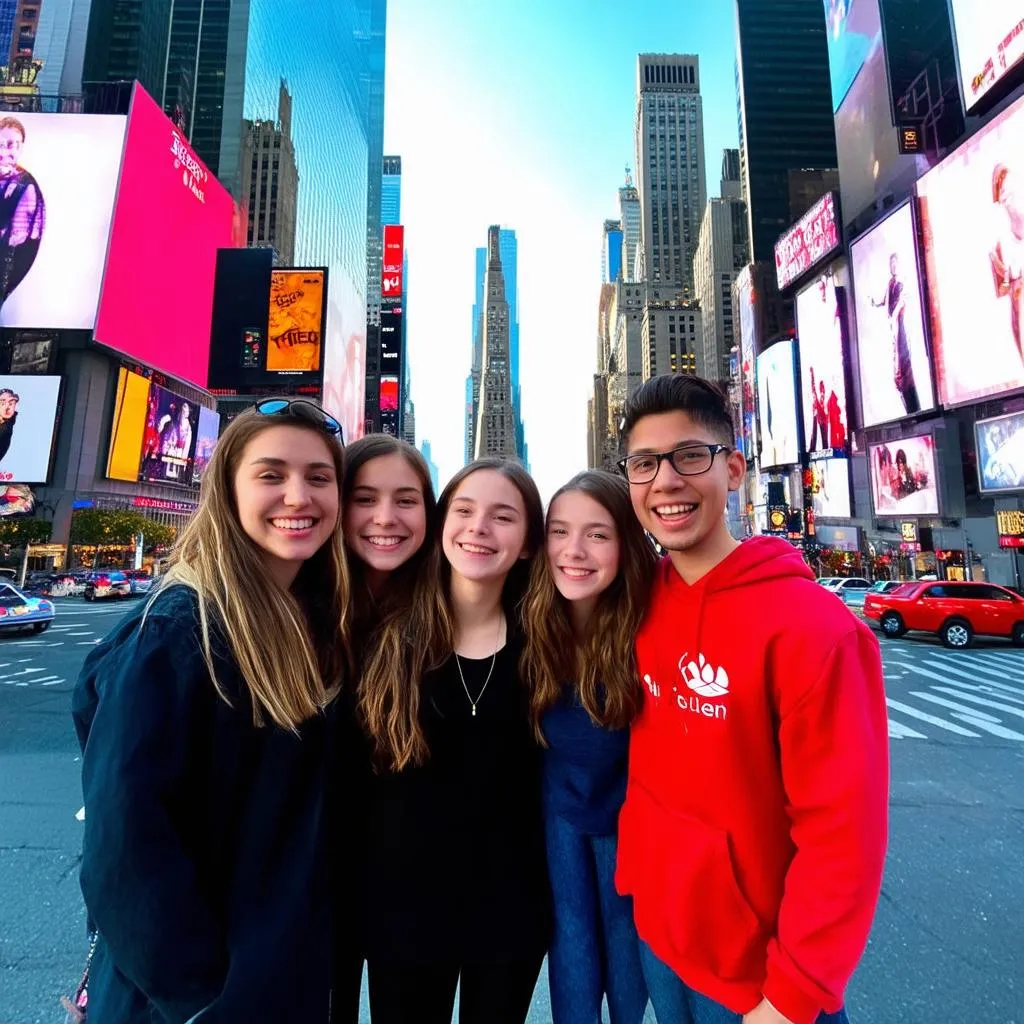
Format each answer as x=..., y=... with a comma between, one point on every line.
x=595, y=951
x=675, y=1002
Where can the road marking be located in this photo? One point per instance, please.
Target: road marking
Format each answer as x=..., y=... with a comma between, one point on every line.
x=974, y=677
x=931, y=719
x=80, y=814
x=976, y=664
x=50, y=682
x=1005, y=708
x=988, y=689
x=88, y=643
x=899, y=731
x=979, y=719
x=997, y=730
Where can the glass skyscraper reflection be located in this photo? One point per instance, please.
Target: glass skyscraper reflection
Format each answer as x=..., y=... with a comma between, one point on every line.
x=326, y=62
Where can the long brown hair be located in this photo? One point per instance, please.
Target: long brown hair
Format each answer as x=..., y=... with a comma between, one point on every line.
x=602, y=666
x=291, y=655
x=420, y=637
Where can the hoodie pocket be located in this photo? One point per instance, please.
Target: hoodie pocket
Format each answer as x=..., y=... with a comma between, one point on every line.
x=684, y=868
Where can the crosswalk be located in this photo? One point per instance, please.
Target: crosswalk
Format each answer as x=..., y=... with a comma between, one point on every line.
x=933, y=693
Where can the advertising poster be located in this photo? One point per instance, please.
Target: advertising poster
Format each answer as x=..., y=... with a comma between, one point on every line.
x=744, y=301
x=127, y=426
x=28, y=418
x=206, y=440
x=58, y=177
x=854, y=30
x=168, y=441
x=989, y=43
x=171, y=217
x=903, y=477
x=389, y=394
x=16, y=500
x=1000, y=444
x=813, y=237
x=821, y=329
x=830, y=488
x=972, y=211
x=295, y=322
x=776, y=403
x=895, y=371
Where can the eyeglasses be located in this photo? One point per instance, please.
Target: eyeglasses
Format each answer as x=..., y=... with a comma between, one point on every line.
x=686, y=460
x=303, y=410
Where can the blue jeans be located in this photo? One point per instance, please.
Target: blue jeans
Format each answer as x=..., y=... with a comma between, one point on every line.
x=595, y=951
x=675, y=1002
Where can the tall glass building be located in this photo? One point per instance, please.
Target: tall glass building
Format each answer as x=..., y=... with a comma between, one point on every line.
x=326, y=61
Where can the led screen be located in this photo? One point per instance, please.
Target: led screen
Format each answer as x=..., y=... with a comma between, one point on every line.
x=206, y=441
x=820, y=327
x=295, y=320
x=1000, y=444
x=28, y=418
x=972, y=210
x=748, y=346
x=830, y=488
x=854, y=30
x=59, y=175
x=903, y=477
x=989, y=43
x=777, y=416
x=895, y=371
x=389, y=394
x=171, y=217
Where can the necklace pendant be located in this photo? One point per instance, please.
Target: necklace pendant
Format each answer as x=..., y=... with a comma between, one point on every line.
x=474, y=711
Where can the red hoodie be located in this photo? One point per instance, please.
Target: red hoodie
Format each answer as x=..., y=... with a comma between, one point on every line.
x=754, y=829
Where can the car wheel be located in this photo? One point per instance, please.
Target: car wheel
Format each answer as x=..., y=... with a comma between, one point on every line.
x=40, y=627
x=1018, y=634
x=957, y=634
x=89, y=596
x=892, y=625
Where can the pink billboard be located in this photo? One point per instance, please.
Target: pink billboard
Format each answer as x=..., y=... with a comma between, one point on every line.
x=170, y=218
x=813, y=237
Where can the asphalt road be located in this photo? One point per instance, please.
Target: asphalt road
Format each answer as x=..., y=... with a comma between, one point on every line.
x=948, y=941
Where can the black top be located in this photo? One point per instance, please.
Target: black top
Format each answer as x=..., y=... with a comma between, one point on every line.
x=457, y=869
x=203, y=861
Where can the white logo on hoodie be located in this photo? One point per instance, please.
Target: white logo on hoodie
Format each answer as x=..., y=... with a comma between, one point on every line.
x=701, y=677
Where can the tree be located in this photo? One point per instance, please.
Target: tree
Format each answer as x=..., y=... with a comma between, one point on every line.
x=102, y=527
x=20, y=532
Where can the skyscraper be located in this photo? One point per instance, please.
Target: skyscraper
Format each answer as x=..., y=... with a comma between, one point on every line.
x=784, y=98
x=391, y=191
x=496, y=426
x=128, y=39
x=428, y=455
x=731, y=186
x=669, y=136
x=630, y=218
x=611, y=251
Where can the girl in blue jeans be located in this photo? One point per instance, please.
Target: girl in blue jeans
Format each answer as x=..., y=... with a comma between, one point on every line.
x=582, y=611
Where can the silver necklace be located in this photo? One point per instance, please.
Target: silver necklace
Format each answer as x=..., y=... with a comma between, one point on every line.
x=490, y=671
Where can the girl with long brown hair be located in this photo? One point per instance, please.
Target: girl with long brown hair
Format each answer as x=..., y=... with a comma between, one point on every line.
x=456, y=883
x=205, y=741
x=585, y=604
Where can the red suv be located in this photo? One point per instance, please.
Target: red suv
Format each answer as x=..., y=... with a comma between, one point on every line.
x=955, y=611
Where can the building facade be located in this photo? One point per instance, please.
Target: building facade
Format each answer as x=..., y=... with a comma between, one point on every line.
x=128, y=39
x=391, y=190
x=671, y=336
x=427, y=452
x=669, y=139
x=631, y=218
x=784, y=100
x=611, y=251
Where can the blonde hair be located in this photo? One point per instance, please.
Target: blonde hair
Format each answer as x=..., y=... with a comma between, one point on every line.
x=291, y=656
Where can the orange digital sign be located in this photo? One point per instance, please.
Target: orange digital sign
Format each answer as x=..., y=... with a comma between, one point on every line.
x=295, y=323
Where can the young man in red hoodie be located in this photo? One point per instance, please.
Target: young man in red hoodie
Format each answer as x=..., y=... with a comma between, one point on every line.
x=753, y=834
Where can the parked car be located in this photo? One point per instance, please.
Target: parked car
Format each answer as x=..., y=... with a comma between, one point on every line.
x=956, y=612
x=885, y=586
x=107, y=584
x=19, y=611
x=851, y=589
x=828, y=582
x=141, y=582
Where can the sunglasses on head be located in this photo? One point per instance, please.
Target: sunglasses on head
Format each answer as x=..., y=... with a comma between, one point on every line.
x=303, y=410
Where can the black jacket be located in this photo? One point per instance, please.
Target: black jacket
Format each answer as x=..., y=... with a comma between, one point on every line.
x=203, y=863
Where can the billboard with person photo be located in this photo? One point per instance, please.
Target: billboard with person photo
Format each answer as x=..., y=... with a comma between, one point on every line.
x=778, y=426
x=1000, y=442
x=168, y=441
x=206, y=440
x=821, y=316
x=830, y=487
x=28, y=418
x=989, y=43
x=904, y=477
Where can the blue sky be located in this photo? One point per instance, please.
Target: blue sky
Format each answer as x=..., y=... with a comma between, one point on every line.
x=520, y=112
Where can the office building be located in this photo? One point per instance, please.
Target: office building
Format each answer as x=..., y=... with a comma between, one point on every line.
x=270, y=179
x=408, y=428
x=784, y=100
x=127, y=39
x=631, y=218
x=60, y=46
x=731, y=186
x=611, y=251
x=427, y=452
x=625, y=359
x=669, y=137
x=391, y=190
x=721, y=255
x=602, y=432
x=671, y=336
x=495, y=426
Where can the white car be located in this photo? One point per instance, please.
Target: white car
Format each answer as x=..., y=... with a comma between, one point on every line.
x=852, y=589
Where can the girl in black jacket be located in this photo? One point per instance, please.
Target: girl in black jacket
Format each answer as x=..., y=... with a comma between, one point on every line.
x=205, y=746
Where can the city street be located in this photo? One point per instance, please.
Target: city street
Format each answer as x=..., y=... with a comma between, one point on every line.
x=948, y=943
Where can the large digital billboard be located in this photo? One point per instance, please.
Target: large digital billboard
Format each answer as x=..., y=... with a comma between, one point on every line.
x=295, y=320
x=989, y=43
x=895, y=371
x=58, y=178
x=744, y=300
x=972, y=212
x=389, y=397
x=776, y=400
x=853, y=32
x=813, y=237
x=171, y=217
x=394, y=254
x=206, y=441
x=1000, y=444
x=904, y=477
x=28, y=418
x=821, y=317
x=830, y=488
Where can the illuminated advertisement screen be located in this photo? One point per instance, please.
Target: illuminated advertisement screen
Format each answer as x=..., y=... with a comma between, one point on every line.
x=394, y=252
x=813, y=237
x=16, y=500
x=171, y=217
x=895, y=371
x=776, y=397
x=830, y=488
x=59, y=178
x=389, y=394
x=989, y=43
x=28, y=419
x=206, y=440
x=903, y=477
x=295, y=320
x=1000, y=444
x=128, y=426
x=854, y=30
x=744, y=301
x=820, y=311
x=972, y=214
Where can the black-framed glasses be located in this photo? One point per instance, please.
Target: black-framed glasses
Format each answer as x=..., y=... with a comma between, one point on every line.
x=303, y=409
x=686, y=460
